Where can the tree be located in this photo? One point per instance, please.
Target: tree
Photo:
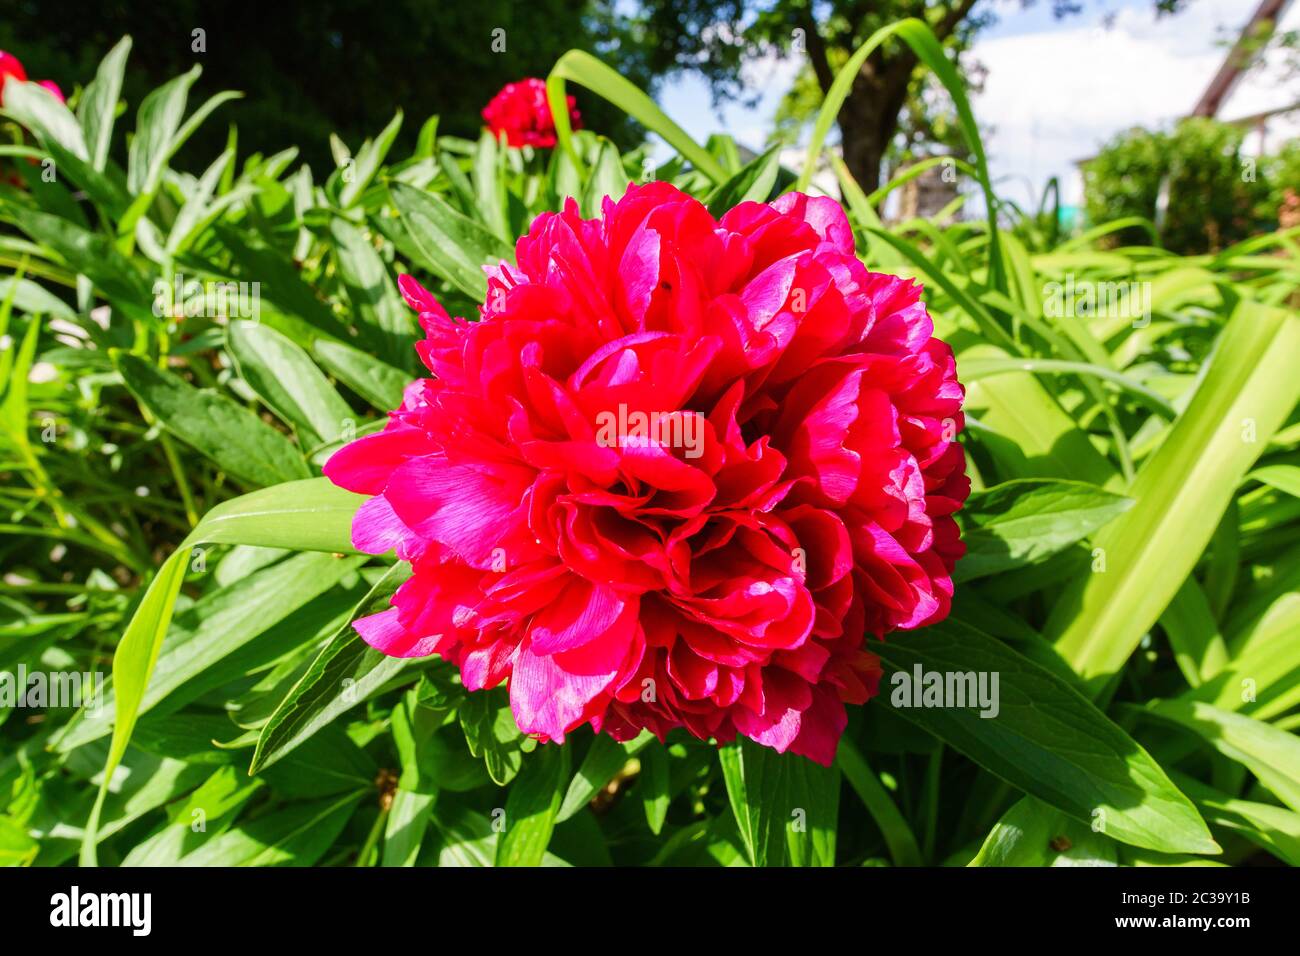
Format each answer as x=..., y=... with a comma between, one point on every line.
x=718, y=39
x=927, y=125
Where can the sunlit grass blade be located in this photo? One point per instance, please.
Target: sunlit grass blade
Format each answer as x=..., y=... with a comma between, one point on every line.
x=310, y=515
x=903, y=848
x=1181, y=492
x=986, y=368
x=578, y=66
x=1271, y=754
x=930, y=52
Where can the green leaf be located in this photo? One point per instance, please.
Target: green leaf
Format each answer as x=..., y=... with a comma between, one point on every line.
x=219, y=624
x=532, y=806
x=1131, y=856
x=604, y=759
x=930, y=52
x=490, y=184
x=1271, y=754
x=454, y=246
x=1285, y=478
x=328, y=764
x=230, y=435
x=1199, y=648
x=866, y=784
x=345, y=673
x=1021, y=522
x=297, y=835
x=199, y=211
x=413, y=727
x=287, y=380
x=278, y=280
x=215, y=803
x=385, y=319
x=1276, y=829
x=1181, y=492
x=35, y=299
x=607, y=179
x=753, y=183
x=408, y=818
x=1043, y=736
x=197, y=118
x=156, y=124
x=1034, y=834
x=310, y=515
x=579, y=66
x=379, y=384
x=60, y=134
x=976, y=369
x=491, y=733
x=97, y=108
x=369, y=159
x=90, y=254
x=466, y=837
x=17, y=848
x=785, y=805
x=16, y=365
x=653, y=786
x=41, y=112
x=1030, y=435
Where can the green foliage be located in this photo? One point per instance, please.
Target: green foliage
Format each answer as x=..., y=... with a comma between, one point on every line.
x=1283, y=177
x=1134, y=533
x=1194, y=182
x=317, y=70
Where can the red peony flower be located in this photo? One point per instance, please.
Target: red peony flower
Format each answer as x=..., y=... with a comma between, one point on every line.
x=521, y=114
x=674, y=477
x=10, y=65
x=53, y=88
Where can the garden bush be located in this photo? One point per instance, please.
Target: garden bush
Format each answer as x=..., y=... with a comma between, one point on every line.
x=183, y=353
x=1194, y=182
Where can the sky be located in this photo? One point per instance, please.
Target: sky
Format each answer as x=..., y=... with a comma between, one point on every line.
x=1056, y=90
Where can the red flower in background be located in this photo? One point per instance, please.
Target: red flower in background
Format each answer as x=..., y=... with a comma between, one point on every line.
x=521, y=114
x=720, y=571
x=10, y=65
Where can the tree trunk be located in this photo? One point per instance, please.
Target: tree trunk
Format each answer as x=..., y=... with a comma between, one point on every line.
x=869, y=118
x=864, y=150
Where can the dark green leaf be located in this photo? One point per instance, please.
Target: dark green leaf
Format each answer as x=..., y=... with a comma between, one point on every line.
x=1021, y=522
x=344, y=674
x=1041, y=735
x=532, y=806
x=233, y=437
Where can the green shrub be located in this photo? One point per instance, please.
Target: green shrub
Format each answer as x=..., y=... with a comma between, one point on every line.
x=1283, y=172
x=1214, y=193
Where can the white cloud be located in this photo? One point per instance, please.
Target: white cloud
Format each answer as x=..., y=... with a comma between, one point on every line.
x=1053, y=98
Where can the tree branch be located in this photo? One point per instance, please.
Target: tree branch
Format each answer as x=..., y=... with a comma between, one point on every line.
x=896, y=70
x=816, y=49
x=953, y=18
